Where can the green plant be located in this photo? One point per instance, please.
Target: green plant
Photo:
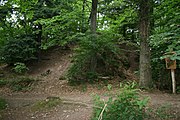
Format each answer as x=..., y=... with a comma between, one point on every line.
x=21, y=48
x=18, y=84
x=3, y=82
x=109, y=87
x=20, y=68
x=21, y=84
x=164, y=39
x=127, y=105
x=178, y=89
x=96, y=55
x=84, y=88
x=3, y=104
x=162, y=112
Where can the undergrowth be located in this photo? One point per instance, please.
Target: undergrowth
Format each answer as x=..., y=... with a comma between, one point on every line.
x=46, y=104
x=96, y=55
x=20, y=68
x=18, y=84
x=3, y=103
x=127, y=105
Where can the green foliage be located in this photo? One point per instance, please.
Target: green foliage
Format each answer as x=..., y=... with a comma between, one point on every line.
x=163, y=112
x=20, y=68
x=60, y=22
x=178, y=89
x=3, y=82
x=96, y=55
x=164, y=39
x=3, y=104
x=109, y=87
x=127, y=105
x=120, y=16
x=61, y=28
x=20, y=49
x=18, y=84
x=175, y=56
x=21, y=84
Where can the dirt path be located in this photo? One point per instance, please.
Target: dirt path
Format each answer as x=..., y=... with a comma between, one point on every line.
x=49, y=72
x=77, y=103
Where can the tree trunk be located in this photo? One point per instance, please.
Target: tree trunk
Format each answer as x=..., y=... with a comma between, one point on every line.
x=83, y=17
x=144, y=29
x=93, y=25
x=94, y=16
x=39, y=39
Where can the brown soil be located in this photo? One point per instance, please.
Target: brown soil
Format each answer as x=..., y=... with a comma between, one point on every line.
x=76, y=100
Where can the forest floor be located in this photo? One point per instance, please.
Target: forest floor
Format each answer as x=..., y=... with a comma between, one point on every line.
x=75, y=102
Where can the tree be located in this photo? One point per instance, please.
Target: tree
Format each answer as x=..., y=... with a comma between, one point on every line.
x=94, y=16
x=93, y=31
x=144, y=31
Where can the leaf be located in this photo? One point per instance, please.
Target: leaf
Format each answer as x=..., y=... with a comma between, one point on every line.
x=143, y=102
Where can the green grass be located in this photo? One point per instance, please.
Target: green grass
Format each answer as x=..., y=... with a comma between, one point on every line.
x=18, y=84
x=49, y=103
x=3, y=104
x=3, y=82
x=163, y=112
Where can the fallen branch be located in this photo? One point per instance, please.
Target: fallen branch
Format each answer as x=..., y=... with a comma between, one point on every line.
x=101, y=114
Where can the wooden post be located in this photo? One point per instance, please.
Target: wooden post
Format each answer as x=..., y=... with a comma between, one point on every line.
x=173, y=81
x=171, y=64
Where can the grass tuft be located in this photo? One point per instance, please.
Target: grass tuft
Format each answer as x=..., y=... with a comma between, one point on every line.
x=3, y=104
x=48, y=103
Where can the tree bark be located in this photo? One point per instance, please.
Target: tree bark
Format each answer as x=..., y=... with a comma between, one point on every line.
x=94, y=16
x=93, y=26
x=144, y=29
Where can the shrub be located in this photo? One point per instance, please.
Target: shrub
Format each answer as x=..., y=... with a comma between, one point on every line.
x=19, y=49
x=125, y=106
x=21, y=84
x=20, y=68
x=96, y=55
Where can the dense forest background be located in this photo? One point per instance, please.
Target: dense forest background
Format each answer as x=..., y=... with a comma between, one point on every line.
x=105, y=35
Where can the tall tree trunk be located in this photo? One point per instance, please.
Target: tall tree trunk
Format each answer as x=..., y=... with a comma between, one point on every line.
x=94, y=16
x=144, y=29
x=93, y=30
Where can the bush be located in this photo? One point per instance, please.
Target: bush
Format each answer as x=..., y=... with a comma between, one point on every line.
x=20, y=68
x=21, y=84
x=18, y=84
x=96, y=55
x=19, y=49
x=125, y=106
